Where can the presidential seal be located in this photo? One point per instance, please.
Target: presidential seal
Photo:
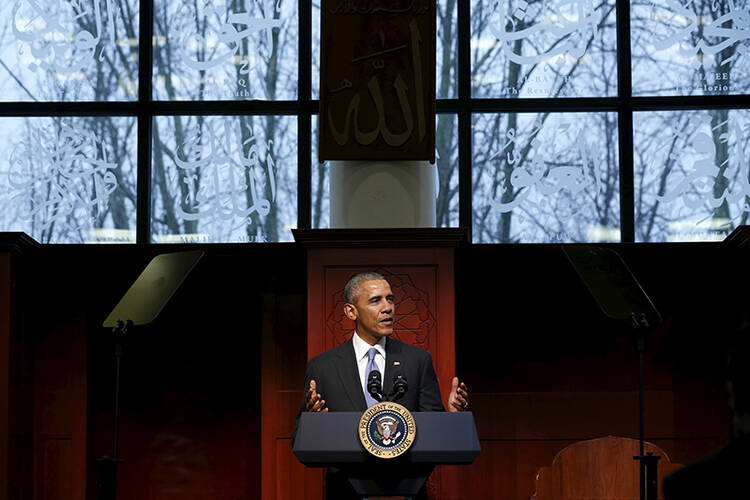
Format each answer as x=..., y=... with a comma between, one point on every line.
x=387, y=430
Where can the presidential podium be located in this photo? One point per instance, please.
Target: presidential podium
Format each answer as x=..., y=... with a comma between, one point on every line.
x=331, y=440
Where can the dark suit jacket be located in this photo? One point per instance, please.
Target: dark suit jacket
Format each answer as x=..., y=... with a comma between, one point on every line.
x=337, y=378
x=720, y=475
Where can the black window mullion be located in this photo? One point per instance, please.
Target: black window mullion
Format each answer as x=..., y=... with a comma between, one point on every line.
x=674, y=103
x=71, y=108
x=542, y=105
x=304, y=120
x=625, y=124
x=145, y=111
x=464, y=115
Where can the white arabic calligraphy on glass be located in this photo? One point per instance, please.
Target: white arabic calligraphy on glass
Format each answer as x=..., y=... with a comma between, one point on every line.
x=219, y=50
x=220, y=182
x=61, y=182
x=690, y=48
x=692, y=174
x=543, y=49
x=58, y=50
x=547, y=178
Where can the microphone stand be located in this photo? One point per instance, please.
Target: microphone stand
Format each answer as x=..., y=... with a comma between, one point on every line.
x=399, y=387
x=375, y=386
x=649, y=462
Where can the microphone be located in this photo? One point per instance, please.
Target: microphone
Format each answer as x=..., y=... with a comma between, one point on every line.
x=400, y=386
x=375, y=386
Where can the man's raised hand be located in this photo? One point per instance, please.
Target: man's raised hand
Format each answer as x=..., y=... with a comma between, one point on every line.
x=459, y=396
x=313, y=400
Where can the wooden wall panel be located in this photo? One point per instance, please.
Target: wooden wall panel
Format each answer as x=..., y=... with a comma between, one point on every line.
x=542, y=339
x=191, y=388
x=570, y=415
x=283, y=349
x=56, y=470
x=60, y=412
x=18, y=469
x=183, y=451
x=16, y=365
x=5, y=392
x=191, y=393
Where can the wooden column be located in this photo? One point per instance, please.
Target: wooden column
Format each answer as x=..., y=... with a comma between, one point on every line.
x=419, y=265
x=16, y=404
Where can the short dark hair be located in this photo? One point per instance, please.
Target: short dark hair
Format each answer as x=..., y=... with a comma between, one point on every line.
x=351, y=290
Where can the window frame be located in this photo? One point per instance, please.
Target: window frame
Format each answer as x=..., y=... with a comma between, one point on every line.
x=145, y=109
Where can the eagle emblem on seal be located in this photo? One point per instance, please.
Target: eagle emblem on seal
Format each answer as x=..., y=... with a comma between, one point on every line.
x=387, y=430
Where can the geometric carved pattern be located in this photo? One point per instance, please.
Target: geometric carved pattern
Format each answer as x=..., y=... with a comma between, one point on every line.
x=414, y=322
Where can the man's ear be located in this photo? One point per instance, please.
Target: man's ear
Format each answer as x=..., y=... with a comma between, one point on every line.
x=350, y=311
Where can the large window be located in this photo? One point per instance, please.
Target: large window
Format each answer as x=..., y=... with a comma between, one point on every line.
x=558, y=120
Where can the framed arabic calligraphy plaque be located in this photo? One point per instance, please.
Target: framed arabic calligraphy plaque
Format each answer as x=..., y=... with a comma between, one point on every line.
x=377, y=80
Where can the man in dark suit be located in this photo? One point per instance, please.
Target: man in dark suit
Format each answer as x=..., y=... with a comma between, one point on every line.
x=723, y=473
x=336, y=379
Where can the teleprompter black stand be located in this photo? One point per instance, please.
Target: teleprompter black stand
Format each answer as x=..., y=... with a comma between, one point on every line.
x=621, y=297
x=330, y=440
x=139, y=306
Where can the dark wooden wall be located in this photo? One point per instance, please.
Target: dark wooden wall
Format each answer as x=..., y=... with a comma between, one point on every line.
x=544, y=367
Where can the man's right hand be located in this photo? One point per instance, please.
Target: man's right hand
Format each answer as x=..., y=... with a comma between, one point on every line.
x=313, y=400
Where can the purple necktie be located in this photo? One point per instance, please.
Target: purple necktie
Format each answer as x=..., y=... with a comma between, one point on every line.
x=371, y=366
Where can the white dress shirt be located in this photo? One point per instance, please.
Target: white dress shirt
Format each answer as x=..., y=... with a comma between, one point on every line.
x=360, y=354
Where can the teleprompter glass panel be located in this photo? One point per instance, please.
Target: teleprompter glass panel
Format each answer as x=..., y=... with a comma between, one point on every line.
x=69, y=50
x=690, y=48
x=545, y=178
x=446, y=154
x=225, y=50
x=555, y=48
x=224, y=179
x=692, y=174
x=69, y=180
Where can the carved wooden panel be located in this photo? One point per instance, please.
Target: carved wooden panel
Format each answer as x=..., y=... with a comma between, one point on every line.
x=377, y=84
x=414, y=291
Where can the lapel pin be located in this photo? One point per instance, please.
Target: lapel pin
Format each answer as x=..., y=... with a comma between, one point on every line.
x=397, y=363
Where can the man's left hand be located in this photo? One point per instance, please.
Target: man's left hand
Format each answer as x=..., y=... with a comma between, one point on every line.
x=459, y=396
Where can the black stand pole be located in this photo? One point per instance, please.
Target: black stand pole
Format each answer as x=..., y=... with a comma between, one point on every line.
x=648, y=462
x=621, y=297
x=107, y=466
x=142, y=303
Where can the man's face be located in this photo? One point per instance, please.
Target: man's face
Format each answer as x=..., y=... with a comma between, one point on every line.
x=373, y=310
